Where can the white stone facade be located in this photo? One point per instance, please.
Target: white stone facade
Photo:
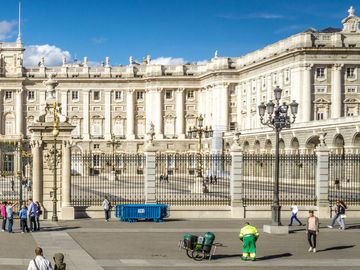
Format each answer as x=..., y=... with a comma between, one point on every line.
x=319, y=69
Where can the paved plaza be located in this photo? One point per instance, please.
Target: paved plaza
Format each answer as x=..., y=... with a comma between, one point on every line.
x=93, y=244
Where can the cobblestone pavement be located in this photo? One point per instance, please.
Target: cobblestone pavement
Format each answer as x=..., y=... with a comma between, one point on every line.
x=94, y=244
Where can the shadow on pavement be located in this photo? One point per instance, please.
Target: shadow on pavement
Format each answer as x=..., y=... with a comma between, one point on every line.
x=57, y=229
x=223, y=256
x=352, y=226
x=275, y=256
x=336, y=248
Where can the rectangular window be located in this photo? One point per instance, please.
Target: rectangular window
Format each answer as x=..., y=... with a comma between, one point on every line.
x=320, y=90
x=140, y=95
x=350, y=72
x=31, y=95
x=75, y=95
x=96, y=146
x=351, y=90
x=96, y=95
x=168, y=94
x=8, y=163
x=320, y=116
x=190, y=94
x=232, y=126
x=8, y=95
x=96, y=161
x=320, y=73
x=352, y=45
x=118, y=95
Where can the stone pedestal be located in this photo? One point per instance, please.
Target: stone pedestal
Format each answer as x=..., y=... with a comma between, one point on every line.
x=273, y=229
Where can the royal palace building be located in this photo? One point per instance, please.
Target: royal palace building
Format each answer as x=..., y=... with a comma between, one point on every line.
x=318, y=69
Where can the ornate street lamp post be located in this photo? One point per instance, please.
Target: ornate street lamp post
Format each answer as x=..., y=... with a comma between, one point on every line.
x=198, y=132
x=277, y=118
x=55, y=133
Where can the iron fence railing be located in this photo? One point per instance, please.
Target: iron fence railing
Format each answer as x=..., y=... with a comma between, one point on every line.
x=344, y=178
x=120, y=177
x=296, y=179
x=178, y=181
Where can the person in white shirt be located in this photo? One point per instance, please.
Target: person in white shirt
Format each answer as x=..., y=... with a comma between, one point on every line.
x=40, y=262
x=294, y=211
x=107, y=207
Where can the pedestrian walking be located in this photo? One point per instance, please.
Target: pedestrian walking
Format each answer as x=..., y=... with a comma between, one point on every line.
x=107, y=207
x=339, y=216
x=40, y=262
x=312, y=230
x=3, y=216
x=249, y=235
x=10, y=215
x=59, y=261
x=23, y=219
x=38, y=214
x=294, y=211
x=32, y=215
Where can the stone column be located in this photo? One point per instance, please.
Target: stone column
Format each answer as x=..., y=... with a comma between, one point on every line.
x=67, y=211
x=236, y=178
x=37, y=175
x=86, y=115
x=306, y=95
x=269, y=88
x=19, y=111
x=336, y=102
x=322, y=181
x=130, y=131
x=238, y=105
x=248, y=105
x=208, y=112
x=180, y=113
x=258, y=101
x=150, y=174
x=108, y=117
x=64, y=102
x=158, y=108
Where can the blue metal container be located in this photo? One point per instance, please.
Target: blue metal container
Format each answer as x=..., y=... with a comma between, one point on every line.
x=134, y=212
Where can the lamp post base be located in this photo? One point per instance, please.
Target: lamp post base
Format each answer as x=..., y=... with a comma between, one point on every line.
x=54, y=218
x=275, y=215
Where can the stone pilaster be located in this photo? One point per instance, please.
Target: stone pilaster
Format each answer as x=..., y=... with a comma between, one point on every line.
x=108, y=117
x=236, y=178
x=336, y=102
x=150, y=173
x=158, y=108
x=19, y=111
x=37, y=174
x=130, y=131
x=180, y=113
x=67, y=211
x=64, y=102
x=322, y=181
x=306, y=95
x=86, y=115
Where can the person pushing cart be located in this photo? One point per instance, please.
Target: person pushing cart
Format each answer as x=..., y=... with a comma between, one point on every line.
x=249, y=235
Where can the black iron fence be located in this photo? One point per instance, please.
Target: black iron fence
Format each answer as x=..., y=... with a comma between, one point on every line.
x=344, y=178
x=120, y=177
x=296, y=179
x=193, y=179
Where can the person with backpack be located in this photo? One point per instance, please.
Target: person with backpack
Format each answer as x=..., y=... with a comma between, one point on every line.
x=40, y=262
x=23, y=219
x=339, y=215
x=3, y=216
x=59, y=261
x=38, y=214
x=107, y=207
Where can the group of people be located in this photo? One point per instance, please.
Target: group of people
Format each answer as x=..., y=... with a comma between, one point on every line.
x=41, y=263
x=249, y=234
x=32, y=211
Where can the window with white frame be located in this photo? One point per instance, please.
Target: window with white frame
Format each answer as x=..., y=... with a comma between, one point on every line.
x=320, y=72
x=320, y=116
x=141, y=128
x=96, y=146
x=190, y=94
x=140, y=95
x=119, y=127
x=168, y=94
x=96, y=161
x=320, y=89
x=352, y=111
x=169, y=129
x=287, y=75
x=74, y=95
x=96, y=127
x=350, y=72
x=351, y=89
x=9, y=162
x=232, y=104
x=9, y=125
x=8, y=95
x=232, y=126
x=31, y=95
x=96, y=95
x=118, y=95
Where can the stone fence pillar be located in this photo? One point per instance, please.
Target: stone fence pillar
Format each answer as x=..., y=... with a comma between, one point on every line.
x=236, y=178
x=37, y=174
x=322, y=181
x=150, y=174
x=67, y=211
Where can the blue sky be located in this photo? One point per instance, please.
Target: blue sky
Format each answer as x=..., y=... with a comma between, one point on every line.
x=187, y=29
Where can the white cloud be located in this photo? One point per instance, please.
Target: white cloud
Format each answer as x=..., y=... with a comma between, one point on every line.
x=168, y=61
x=6, y=29
x=52, y=54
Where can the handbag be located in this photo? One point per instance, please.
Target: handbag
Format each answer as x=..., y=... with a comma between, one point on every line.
x=343, y=216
